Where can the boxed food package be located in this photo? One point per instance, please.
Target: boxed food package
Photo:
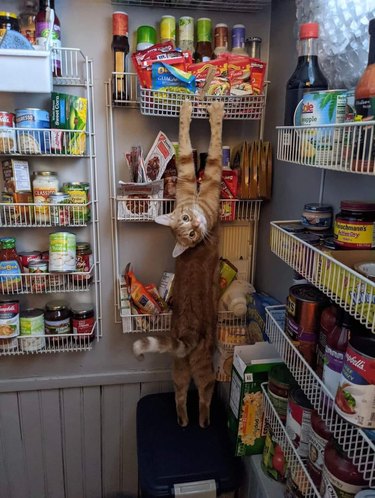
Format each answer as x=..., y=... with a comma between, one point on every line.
x=139, y=201
x=157, y=159
x=16, y=176
x=228, y=337
x=228, y=190
x=68, y=113
x=256, y=314
x=251, y=365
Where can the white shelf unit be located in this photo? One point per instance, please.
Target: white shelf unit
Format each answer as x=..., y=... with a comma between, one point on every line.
x=345, y=147
x=76, y=71
x=345, y=286
x=296, y=466
x=354, y=441
x=220, y=5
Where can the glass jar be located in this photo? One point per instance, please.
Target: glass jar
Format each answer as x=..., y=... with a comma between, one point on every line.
x=10, y=266
x=83, y=321
x=57, y=321
x=84, y=262
x=253, y=44
x=280, y=381
x=45, y=183
x=317, y=216
x=355, y=225
x=8, y=21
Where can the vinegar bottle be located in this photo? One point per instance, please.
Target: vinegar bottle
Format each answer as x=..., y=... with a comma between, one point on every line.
x=307, y=76
x=42, y=32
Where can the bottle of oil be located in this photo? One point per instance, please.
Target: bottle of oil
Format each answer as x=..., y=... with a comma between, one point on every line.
x=26, y=20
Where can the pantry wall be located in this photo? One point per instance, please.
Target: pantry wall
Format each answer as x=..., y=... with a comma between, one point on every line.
x=67, y=421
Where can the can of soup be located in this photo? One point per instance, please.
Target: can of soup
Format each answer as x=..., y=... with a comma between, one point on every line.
x=9, y=318
x=59, y=211
x=62, y=252
x=37, y=280
x=33, y=142
x=7, y=133
x=298, y=421
x=32, y=324
x=79, y=194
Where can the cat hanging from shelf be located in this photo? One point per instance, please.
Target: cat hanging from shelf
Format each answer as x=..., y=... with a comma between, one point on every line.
x=195, y=224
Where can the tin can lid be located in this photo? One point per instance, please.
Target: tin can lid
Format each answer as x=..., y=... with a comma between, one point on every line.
x=37, y=262
x=281, y=376
x=363, y=344
x=59, y=194
x=83, y=246
x=357, y=206
x=310, y=238
x=57, y=305
x=298, y=396
x=316, y=207
x=254, y=39
x=293, y=227
x=308, y=293
x=31, y=313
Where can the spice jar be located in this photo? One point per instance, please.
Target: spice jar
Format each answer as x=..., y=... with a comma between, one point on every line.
x=319, y=437
x=57, y=320
x=354, y=225
x=280, y=381
x=83, y=320
x=317, y=216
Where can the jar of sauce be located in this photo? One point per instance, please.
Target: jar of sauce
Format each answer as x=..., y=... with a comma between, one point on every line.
x=57, y=320
x=45, y=184
x=83, y=320
x=280, y=381
x=317, y=216
x=319, y=437
x=8, y=21
x=10, y=266
x=355, y=225
x=340, y=477
x=84, y=262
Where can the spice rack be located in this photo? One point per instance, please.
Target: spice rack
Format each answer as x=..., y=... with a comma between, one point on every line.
x=77, y=72
x=220, y=5
x=333, y=276
x=354, y=441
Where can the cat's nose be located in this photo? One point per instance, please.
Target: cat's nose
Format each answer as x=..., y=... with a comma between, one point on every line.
x=196, y=224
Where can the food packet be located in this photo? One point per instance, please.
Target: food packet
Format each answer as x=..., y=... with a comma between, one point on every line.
x=141, y=298
x=139, y=201
x=258, y=73
x=135, y=163
x=239, y=75
x=157, y=159
x=220, y=82
x=170, y=78
x=153, y=290
x=166, y=286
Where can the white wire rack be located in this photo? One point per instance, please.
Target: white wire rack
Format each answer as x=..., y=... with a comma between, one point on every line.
x=125, y=89
x=347, y=147
x=220, y=5
x=46, y=283
x=346, y=287
x=44, y=215
x=146, y=210
x=161, y=323
x=360, y=449
x=296, y=466
x=52, y=343
x=72, y=71
x=167, y=104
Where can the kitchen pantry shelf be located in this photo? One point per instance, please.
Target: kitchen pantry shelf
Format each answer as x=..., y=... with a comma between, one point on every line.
x=355, y=442
x=296, y=465
x=77, y=72
x=346, y=287
x=219, y=5
x=345, y=147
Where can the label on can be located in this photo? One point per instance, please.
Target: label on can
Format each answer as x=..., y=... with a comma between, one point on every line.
x=33, y=142
x=32, y=324
x=298, y=423
x=332, y=487
x=354, y=234
x=60, y=214
x=83, y=326
x=62, y=252
x=9, y=319
x=333, y=363
x=317, y=445
x=10, y=275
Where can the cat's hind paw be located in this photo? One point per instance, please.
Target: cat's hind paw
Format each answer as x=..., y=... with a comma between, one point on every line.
x=138, y=349
x=216, y=112
x=186, y=110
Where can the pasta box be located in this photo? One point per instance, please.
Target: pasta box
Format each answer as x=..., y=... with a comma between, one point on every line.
x=251, y=365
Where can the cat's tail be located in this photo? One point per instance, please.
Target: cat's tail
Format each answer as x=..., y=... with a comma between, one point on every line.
x=177, y=347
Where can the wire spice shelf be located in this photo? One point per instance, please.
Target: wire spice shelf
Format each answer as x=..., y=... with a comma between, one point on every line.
x=220, y=5
x=354, y=441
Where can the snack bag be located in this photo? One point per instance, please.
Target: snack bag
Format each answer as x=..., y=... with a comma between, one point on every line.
x=139, y=201
x=140, y=296
x=228, y=190
x=170, y=78
x=258, y=73
x=219, y=85
x=157, y=159
x=239, y=75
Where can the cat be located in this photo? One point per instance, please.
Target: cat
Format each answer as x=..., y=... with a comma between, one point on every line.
x=194, y=223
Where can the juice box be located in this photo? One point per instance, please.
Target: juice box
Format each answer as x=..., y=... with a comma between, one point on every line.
x=69, y=113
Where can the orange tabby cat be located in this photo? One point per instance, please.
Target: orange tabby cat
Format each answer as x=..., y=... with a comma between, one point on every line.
x=194, y=223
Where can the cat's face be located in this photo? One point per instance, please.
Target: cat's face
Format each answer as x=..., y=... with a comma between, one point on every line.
x=188, y=224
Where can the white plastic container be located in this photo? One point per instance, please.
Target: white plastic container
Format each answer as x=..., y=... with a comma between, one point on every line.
x=234, y=298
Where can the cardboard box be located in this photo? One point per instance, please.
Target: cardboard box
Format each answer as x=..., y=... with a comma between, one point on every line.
x=251, y=365
x=16, y=176
x=69, y=112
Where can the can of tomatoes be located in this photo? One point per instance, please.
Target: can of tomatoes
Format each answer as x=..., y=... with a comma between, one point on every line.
x=298, y=421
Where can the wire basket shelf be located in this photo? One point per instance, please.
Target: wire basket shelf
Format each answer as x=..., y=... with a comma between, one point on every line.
x=46, y=283
x=42, y=142
x=296, y=466
x=161, y=323
x=73, y=67
x=167, y=104
x=220, y=5
x=46, y=215
x=347, y=147
x=145, y=210
x=125, y=90
x=51, y=343
x=355, y=442
x=346, y=287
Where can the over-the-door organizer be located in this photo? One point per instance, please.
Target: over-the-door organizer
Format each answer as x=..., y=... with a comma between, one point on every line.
x=75, y=287
x=334, y=276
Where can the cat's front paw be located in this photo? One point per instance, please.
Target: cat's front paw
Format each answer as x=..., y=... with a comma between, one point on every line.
x=186, y=110
x=216, y=112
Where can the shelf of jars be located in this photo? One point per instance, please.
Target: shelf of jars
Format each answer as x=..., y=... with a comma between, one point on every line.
x=146, y=210
x=347, y=147
x=354, y=441
x=330, y=271
x=126, y=92
x=27, y=215
x=220, y=5
x=46, y=283
x=48, y=343
x=296, y=467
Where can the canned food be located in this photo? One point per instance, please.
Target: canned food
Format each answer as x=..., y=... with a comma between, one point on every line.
x=62, y=252
x=298, y=420
x=9, y=214
x=8, y=141
x=79, y=194
x=37, y=282
x=26, y=257
x=60, y=215
x=319, y=437
x=317, y=216
x=33, y=142
x=32, y=324
x=273, y=459
x=9, y=319
x=280, y=381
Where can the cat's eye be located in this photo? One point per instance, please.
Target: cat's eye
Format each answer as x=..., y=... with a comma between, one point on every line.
x=185, y=217
x=191, y=234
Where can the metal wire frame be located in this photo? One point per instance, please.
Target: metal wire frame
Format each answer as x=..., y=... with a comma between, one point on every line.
x=349, y=289
x=347, y=147
x=360, y=449
x=219, y=5
x=73, y=72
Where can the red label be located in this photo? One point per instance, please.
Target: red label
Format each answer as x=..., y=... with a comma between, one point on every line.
x=83, y=326
x=359, y=368
x=9, y=308
x=6, y=119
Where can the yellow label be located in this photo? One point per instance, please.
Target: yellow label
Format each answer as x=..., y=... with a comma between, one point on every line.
x=355, y=234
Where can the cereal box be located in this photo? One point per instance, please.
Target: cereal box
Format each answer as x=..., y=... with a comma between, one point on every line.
x=16, y=176
x=251, y=365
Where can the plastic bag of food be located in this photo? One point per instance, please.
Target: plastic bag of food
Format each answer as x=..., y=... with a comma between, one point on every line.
x=171, y=79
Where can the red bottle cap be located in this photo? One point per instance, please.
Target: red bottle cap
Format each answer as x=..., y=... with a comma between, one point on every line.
x=309, y=30
x=120, y=24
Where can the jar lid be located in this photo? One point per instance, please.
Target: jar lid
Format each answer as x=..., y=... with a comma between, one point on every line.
x=146, y=34
x=37, y=263
x=59, y=194
x=76, y=184
x=281, y=376
x=57, y=305
x=221, y=25
x=316, y=207
x=254, y=39
x=82, y=308
x=293, y=227
x=357, y=206
x=8, y=242
x=3, y=13
x=45, y=173
x=238, y=26
x=83, y=246
x=308, y=293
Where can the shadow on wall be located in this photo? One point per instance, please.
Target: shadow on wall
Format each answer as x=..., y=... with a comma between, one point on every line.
x=120, y=495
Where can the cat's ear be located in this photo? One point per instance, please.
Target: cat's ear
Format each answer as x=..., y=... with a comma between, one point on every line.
x=178, y=249
x=164, y=219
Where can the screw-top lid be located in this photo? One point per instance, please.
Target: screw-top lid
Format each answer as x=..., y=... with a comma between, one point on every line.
x=309, y=30
x=44, y=173
x=57, y=305
x=146, y=34
x=8, y=243
x=3, y=13
x=359, y=206
x=83, y=246
x=314, y=206
x=82, y=308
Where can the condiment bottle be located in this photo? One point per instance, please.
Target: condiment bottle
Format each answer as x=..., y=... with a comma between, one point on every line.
x=27, y=20
x=337, y=342
x=327, y=324
x=168, y=29
x=42, y=25
x=203, y=50
x=10, y=266
x=186, y=33
x=307, y=76
x=146, y=37
x=252, y=45
x=220, y=40
x=120, y=48
x=238, y=39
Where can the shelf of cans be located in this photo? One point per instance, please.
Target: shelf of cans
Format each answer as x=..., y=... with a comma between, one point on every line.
x=126, y=92
x=354, y=441
x=51, y=343
x=296, y=467
x=220, y=5
x=347, y=147
x=145, y=210
x=162, y=322
x=45, y=283
x=54, y=215
x=346, y=287
x=42, y=142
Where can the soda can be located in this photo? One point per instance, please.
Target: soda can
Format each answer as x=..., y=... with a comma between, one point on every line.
x=168, y=29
